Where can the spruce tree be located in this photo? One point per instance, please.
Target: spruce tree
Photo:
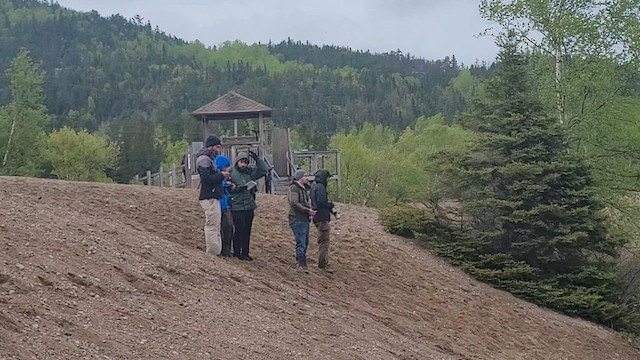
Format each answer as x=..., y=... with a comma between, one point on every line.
x=533, y=223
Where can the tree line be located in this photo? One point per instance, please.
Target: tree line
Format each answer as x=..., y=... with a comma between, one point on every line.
x=124, y=78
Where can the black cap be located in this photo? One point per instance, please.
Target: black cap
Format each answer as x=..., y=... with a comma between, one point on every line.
x=212, y=140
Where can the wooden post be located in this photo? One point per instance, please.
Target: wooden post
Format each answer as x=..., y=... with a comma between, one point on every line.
x=187, y=173
x=262, y=186
x=280, y=147
x=149, y=178
x=204, y=127
x=189, y=165
x=339, y=173
x=233, y=154
x=161, y=177
x=235, y=127
x=291, y=170
x=137, y=179
x=173, y=175
x=262, y=136
x=314, y=163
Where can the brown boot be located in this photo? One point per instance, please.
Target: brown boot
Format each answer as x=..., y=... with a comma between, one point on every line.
x=302, y=267
x=327, y=269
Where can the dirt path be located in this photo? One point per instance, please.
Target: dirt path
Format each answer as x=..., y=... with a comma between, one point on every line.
x=91, y=271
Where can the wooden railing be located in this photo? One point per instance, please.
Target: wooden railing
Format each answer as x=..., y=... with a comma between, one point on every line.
x=174, y=177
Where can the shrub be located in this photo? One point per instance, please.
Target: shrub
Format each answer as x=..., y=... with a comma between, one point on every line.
x=404, y=220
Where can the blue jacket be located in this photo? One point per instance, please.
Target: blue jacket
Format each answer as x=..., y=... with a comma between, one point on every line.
x=221, y=163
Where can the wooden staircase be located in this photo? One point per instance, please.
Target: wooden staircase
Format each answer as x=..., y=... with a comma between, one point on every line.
x=281, y=186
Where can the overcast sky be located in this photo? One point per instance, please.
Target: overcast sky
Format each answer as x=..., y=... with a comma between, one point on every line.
x=430, y=29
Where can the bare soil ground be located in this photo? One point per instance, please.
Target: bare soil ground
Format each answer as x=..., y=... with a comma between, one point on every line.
x=93, y=271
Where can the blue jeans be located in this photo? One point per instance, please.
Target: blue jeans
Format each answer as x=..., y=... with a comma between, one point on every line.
x=301, y=233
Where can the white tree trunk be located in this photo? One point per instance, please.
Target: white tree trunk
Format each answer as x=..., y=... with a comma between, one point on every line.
x=6, y=153
x=560, y=96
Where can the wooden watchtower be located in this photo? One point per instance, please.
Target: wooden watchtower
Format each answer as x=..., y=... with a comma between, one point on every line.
x=233, y=107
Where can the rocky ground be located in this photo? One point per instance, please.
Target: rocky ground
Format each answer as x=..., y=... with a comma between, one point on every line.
x=93, y=271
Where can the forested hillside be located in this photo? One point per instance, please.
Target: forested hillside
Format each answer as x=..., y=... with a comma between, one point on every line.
x=127, y=78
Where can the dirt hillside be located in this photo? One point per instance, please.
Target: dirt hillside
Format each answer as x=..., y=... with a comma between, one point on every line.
x=92, y=271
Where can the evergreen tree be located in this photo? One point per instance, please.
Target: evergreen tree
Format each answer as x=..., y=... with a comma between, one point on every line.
x=135, y=136
x=533, y=223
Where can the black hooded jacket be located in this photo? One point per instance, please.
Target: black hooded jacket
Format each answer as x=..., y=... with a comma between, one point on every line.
x=210, y=177
x=319, y=197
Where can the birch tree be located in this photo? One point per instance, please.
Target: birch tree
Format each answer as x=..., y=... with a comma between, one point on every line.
x=567, y=30
x=22, y=121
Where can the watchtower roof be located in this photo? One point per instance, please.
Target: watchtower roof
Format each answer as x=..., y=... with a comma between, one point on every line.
x=232, y=106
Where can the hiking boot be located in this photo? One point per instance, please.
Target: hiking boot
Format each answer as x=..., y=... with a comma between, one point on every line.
x=246, y=258
x=327, y=269
x=302, y=268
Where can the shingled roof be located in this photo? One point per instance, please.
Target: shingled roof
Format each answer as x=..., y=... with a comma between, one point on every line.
x=232, y=106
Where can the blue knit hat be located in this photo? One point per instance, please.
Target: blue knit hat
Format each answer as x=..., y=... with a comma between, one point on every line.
x=222, y=162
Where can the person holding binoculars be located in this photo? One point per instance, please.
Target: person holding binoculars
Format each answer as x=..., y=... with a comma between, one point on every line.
x=243, y=200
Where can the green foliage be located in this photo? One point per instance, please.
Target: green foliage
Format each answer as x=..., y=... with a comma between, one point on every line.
x=460, y=92
x=468, y=85
x=574, y=36
x=405, y=221
x=102, y=70
x=174, y=153
x=366, y=173
x=413, y=153
x=80, y=156
x=22, y=121
x=533, y=223
x=297, y=143
x=379, y=168
x=611, y=143
x=580, y=27
x=140, y=147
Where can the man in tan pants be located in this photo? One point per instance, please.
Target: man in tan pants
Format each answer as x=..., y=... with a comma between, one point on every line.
x=210, y=192
x=320, y=202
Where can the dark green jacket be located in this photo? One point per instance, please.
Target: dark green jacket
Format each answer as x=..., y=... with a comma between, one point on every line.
x=241, y=198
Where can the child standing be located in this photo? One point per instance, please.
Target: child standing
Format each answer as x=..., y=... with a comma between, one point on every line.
x=226, y=226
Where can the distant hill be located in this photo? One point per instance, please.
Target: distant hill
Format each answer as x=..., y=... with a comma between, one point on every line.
x=125, y=65
x=336, y=57
x=138, y=85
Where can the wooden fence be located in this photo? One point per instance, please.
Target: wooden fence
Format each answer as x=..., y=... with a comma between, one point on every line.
x=174, y=177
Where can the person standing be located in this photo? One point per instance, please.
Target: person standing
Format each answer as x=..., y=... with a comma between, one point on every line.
x=211, y=192
x=300, y=214
x=324, y=207
x=243, y=200
x=226, y=226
